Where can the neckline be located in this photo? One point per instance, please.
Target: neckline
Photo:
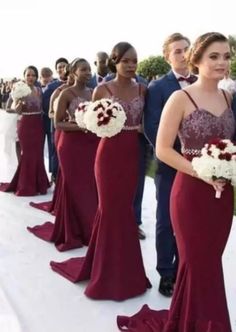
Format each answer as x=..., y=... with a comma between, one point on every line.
x=206, y=111
x=125, y=101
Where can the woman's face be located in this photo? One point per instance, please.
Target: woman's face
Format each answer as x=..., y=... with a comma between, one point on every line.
x=128, y=64
x=30, y=77
x=215, y=61
x=83, y=72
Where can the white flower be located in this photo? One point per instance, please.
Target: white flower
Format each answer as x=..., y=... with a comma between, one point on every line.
x=20, y=90
x=105, y=118
x=216, y=163
x=80, y=112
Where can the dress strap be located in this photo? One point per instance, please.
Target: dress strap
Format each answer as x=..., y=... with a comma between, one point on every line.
x=108, y=89
x=74, y=93
x=226, y=99
x=190, y=98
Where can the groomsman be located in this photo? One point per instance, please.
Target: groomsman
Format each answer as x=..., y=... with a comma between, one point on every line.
x=102, y=69
x=174, y=50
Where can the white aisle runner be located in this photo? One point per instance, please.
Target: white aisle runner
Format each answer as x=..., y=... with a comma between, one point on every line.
x=8, y=317
x=8, y=161
x=45, y=302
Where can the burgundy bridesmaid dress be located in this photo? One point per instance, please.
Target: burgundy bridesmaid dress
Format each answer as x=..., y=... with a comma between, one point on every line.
x=201, y=225
x=51, y=206
x=77, y=201
x=30, y=178
x=113, y=263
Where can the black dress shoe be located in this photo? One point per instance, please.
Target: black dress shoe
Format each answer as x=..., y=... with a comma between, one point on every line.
x=166, y=286
x=141, y=234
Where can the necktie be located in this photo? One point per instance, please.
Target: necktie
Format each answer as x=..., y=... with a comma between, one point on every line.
x=191, y=79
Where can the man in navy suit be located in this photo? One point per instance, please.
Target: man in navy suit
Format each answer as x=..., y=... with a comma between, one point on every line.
x=60, y=67
x=102, y=70
x=174, y=49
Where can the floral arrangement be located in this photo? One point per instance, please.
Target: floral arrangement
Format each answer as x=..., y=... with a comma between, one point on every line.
x=80, y=112
x=20, y=90
x=105, y=118
x=217, y=162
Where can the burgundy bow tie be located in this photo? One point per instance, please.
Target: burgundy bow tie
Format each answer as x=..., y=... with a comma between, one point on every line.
x=191, y=79
x=100, y=79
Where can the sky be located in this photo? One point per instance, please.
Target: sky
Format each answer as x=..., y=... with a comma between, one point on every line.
x=37, y=32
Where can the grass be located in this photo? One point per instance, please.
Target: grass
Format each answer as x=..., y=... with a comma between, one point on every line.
x=151, y=172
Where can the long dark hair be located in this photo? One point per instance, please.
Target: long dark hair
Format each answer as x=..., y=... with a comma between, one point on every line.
x=117, y=53
x=35, y=70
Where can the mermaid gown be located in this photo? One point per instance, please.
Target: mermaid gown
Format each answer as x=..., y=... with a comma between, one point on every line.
x=113, y=264
x=30, y=177
x=77, y=201
x=201, y=225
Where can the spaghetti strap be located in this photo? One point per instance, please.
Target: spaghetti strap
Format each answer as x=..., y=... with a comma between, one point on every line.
x=108, y=89
x=226, y=99
x=74, y=93
x=190, y=98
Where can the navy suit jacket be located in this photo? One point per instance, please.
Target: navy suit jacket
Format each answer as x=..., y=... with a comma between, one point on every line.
x=48, y=92
x=92, y=83
x=158, y=93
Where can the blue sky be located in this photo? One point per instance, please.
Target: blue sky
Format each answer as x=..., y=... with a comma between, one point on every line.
x=38, y=32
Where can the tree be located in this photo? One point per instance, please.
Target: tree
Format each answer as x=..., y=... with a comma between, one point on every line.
x=233, y=69
x=153, y=66
x=232, y=44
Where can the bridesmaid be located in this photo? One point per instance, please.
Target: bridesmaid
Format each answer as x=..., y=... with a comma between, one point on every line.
x=201, y=222
x=30, y=178
x=51, y=206
x=76, y=151
x=113, y=263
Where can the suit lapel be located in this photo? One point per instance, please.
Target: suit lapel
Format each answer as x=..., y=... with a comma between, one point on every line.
x=172, y=81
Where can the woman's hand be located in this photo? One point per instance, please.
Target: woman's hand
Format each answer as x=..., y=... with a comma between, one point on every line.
x=18, y=106
x=218, y=185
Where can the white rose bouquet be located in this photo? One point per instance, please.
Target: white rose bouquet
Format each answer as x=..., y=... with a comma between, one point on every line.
x=20, y=90
x=105, y=118
x=80, y=112
x=217, y=162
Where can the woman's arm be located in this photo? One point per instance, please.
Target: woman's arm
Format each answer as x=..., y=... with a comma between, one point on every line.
x=171, y=118
x=14, y=107
x=53, y=98
x=100, y=92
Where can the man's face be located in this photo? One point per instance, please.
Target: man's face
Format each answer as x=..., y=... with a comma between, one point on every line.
x=61, y=69
x=176, y=56
x=102, y=64
x=45, y=79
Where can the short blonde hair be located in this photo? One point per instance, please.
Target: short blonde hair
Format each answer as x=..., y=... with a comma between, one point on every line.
x=171, y=39
x=46, y=72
